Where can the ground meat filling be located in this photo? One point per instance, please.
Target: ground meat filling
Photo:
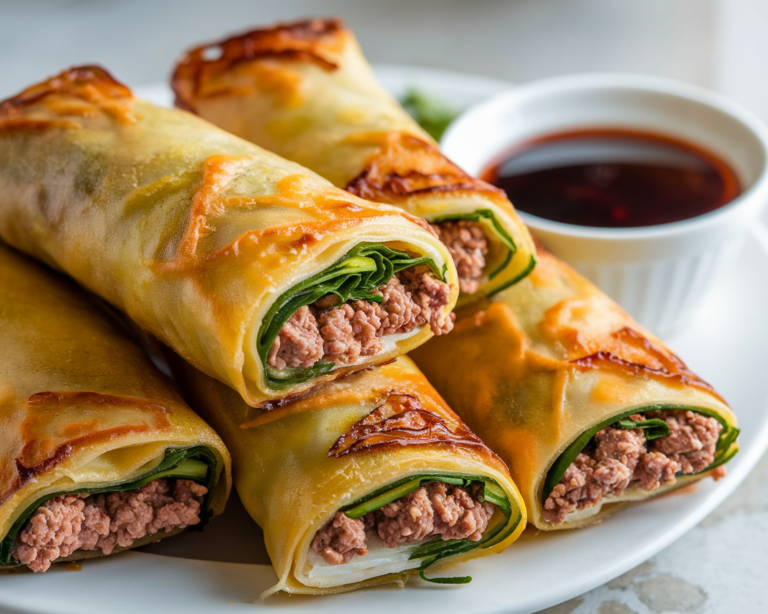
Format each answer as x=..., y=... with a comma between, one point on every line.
x=344, y=333
x=616, y=458
x=299, y=344
x=468, y=245
x=68, y=523
x=435, y=509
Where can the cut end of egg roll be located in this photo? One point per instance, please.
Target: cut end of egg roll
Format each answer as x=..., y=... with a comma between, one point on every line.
x=590, y=411
x=643, y=452
x=305, y=91
x=410, y=525
x=365, y=481
x=256, y=270
x=98, y=453
x=71, y=521
x=355, y=310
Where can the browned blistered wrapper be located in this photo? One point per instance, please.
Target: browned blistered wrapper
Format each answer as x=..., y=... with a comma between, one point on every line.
x=305, y=91
x=192, y=232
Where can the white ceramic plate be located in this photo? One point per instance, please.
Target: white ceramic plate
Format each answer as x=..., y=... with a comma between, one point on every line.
x=223, y=569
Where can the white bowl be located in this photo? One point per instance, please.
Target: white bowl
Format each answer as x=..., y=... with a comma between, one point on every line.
x=660, y=274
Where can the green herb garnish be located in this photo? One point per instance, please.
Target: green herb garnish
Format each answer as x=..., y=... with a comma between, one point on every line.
x=430, y=112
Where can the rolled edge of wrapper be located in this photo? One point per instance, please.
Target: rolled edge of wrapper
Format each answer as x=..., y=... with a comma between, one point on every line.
x=399, y=234
x=631, y=495
x=112, y=460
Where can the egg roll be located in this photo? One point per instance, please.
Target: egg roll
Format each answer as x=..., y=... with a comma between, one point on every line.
x=590, y=411
x=363, y=481
x=255, y=270
x=305, y=91
x=98, y=453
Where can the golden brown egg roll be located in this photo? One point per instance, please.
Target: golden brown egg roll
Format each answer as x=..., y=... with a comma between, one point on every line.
x=98, y=452
x=590, y=411
x=255, y=270
x=362, y=481
x=305, y=91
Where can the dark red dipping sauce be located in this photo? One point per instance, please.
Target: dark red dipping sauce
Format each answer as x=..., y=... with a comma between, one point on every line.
x=613, y=178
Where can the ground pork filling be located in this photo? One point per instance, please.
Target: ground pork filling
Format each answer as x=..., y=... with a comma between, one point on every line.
x=434, y=509
x=344, y=333
x=617, y=458
x=468, y=245
x=68, y=523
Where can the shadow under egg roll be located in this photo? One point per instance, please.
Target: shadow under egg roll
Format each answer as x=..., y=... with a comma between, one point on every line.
x=363, y=481
x=305, y=91
x=254, y=269
x=98, y=453
x=590, y=411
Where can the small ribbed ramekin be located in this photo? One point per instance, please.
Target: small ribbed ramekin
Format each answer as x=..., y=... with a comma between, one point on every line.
x=660, y=274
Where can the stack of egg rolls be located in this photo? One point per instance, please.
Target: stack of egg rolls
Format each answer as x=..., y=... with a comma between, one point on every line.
x=91, y=431
x=550, y=372
x=217, y=247
x=207, y=242
x=277, y=293
x=305, y=91
x=355, y=484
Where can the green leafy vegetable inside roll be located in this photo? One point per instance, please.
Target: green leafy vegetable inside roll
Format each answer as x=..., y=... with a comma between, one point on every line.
x=367, y=300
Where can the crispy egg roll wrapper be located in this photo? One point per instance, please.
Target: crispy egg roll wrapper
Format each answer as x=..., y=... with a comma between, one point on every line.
x=193, y=232
x=548, y=360
x=82, y=408
x=299, y=464
x=305, y=91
